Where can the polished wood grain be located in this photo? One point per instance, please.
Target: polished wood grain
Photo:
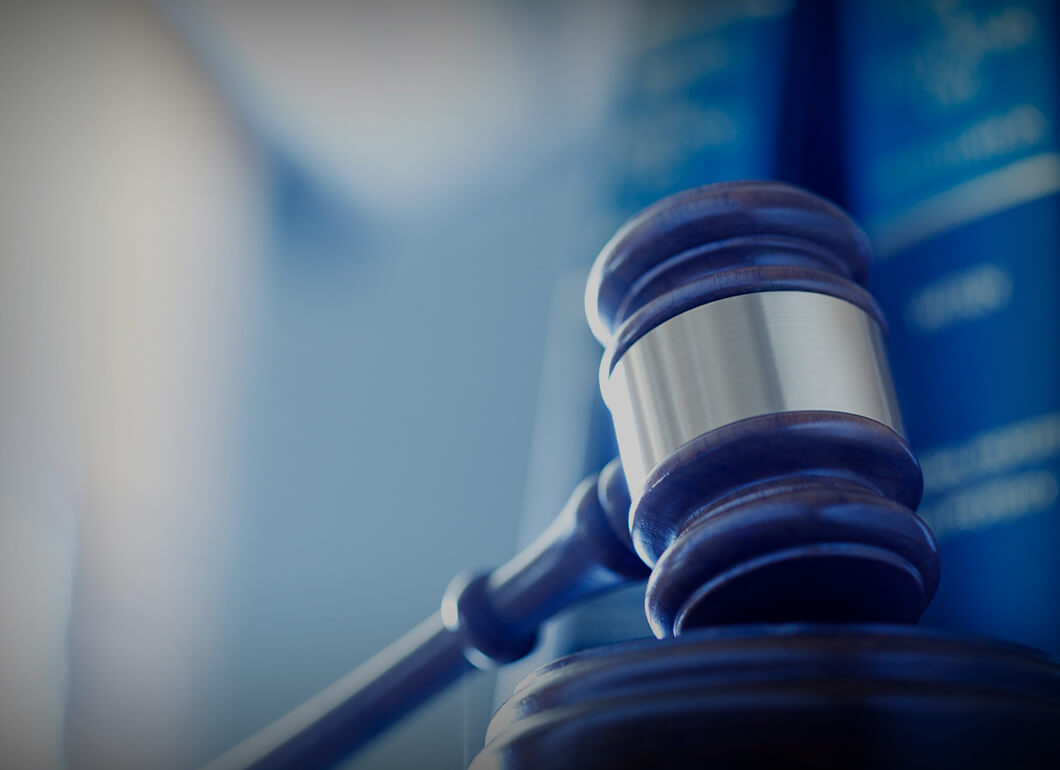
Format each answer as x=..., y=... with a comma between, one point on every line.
x=716, y=228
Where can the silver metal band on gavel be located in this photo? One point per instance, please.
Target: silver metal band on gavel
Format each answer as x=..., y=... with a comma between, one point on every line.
x=741, y=357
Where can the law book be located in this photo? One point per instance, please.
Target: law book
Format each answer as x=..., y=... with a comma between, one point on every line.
x=953, y=166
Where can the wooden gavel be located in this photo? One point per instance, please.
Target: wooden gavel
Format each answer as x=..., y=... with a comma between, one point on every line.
x=767, y=487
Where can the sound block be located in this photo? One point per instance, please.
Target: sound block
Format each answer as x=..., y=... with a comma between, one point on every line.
x=800, y=695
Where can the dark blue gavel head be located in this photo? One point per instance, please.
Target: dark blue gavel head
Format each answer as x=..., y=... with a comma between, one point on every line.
x=769, y=475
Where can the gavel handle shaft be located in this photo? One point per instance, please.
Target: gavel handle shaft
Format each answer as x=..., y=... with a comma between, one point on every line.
x=339, y=720
x=490, y=618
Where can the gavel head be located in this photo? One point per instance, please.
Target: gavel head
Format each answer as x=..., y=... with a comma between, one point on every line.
x=769, y=476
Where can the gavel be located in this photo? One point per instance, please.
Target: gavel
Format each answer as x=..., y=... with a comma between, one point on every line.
x=767, y=491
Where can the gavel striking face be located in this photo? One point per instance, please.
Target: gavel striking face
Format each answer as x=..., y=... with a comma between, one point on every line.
x=758, y=427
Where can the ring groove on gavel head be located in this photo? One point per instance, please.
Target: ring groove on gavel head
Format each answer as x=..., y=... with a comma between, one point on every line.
x=769, y=475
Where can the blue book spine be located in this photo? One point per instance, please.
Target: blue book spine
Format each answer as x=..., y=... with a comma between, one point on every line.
x=954, y=167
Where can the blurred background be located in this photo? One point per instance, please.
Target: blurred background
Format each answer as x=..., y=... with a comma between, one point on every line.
x=291, y=326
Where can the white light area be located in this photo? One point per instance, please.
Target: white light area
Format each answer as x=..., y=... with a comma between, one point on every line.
x=408, y=106
x=36, y=565
x=129, y=214
x=166, y=295
x=39, y=55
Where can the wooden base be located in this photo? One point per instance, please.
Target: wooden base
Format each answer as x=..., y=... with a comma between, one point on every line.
x=806, y=696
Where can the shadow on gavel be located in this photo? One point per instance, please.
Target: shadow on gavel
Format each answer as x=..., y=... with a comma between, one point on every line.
x=767, y=488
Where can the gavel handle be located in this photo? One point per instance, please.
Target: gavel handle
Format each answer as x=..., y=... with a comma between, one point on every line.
x=485, y=620
x=337, y=721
